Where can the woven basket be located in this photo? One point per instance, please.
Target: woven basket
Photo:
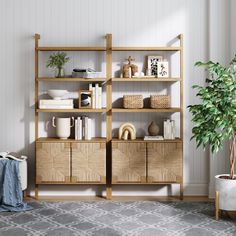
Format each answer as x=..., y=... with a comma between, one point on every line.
x=133, y=101
x=160, y=101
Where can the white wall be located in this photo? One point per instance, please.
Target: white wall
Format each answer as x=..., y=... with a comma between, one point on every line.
x=85, y=22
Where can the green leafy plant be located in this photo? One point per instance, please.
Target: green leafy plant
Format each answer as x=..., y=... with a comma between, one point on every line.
x=57, y=60
x=215, y=118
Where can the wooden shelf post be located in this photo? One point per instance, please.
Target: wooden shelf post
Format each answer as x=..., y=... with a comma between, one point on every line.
x=36, y=91
x=109, y=113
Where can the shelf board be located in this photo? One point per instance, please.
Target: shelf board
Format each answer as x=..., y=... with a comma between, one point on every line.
x=145, y=79
x=74, y=110
x=70, y=140
x=70, y=183
x=170, y=110
x=137, y=140
x=146, y=48
x=70, y=79
x=71, y=49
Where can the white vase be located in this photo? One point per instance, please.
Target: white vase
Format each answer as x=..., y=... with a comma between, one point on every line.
x=62, y=126
x=227, y=192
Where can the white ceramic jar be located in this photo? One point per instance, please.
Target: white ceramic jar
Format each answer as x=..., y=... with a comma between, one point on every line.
x=63, y=126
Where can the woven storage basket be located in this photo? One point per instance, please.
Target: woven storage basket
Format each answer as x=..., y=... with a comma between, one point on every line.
x=160, y=101
x=133, y=101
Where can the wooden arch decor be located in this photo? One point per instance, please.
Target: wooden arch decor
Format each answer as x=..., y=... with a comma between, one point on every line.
x=127, y=130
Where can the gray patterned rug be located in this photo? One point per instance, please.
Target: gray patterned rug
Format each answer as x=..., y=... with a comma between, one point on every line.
x=110, y=218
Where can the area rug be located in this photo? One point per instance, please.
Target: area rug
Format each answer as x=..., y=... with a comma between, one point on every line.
x=110, y=218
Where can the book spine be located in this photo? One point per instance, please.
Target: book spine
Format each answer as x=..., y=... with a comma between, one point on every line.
x=86, y=129
x=56, y=107
x=80, y=135
x=99, y=97
x=56, y=102
x=83, y=127
x=89, y=129
x=96, y=95
x=76, y=129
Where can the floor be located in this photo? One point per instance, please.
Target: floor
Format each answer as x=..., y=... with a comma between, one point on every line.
x=131, y=216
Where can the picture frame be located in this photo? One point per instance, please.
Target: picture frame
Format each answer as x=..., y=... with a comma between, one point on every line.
x=86, y=99
x=163, y=69
x=153, y=64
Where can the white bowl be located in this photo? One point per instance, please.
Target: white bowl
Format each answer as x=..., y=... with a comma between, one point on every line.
x=57, y=94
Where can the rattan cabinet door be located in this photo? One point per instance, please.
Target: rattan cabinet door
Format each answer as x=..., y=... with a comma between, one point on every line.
x=164, y=162
x=52, y=162
x=89, y=162
x=128, y=162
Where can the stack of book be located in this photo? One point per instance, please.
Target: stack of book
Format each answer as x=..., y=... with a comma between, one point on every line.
x=56, y=104
x=97, y=95
x=157, y=137
x=169, y=129
x=83, y=128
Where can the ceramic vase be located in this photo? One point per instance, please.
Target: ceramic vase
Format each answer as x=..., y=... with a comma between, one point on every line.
x=62, y=126
x=153, y=129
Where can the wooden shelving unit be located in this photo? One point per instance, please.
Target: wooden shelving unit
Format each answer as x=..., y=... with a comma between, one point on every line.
x=108, y=148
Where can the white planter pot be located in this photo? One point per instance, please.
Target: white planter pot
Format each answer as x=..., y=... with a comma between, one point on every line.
x=227, y=193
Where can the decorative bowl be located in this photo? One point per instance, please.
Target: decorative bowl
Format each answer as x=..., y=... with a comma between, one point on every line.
x=57, y=94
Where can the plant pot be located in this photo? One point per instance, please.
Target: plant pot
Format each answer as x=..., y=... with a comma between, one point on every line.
x=227, y=192
x=60, y=73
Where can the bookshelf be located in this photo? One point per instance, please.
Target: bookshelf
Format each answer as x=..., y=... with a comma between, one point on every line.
x=109, y=149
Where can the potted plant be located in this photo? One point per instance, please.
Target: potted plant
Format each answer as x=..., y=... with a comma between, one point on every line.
x=57, y=61
x=215, y=121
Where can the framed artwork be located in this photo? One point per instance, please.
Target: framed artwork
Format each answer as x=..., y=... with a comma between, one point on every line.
x=163, y=69
x=85, y=99
x=152, y=64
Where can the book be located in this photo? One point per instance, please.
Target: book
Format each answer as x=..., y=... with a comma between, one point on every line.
x=158, y=137
x=83, y=126
x=86, y=128
x=80, y=136
x=76, y=129
x=56, y=107
x=96, y=95
x=99, y=97
x=89, y=128
x=56, y=102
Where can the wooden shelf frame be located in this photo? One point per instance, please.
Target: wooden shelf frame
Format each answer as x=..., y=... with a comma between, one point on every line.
x=150, y=110
x=146, y=79
x=107, y=81
x=71, y=79
x=75, y=110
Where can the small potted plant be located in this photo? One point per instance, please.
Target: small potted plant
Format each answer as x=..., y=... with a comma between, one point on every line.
x=215, y=121
x=57, y=61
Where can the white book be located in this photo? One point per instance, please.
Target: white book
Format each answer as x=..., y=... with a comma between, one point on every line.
x=56, y=107
x=86, y=128
x=80, y=136
x=158, y=137
x=89, y=128
x=76, y=129
x=99, y=97
x=56, y=102
x=96, y=95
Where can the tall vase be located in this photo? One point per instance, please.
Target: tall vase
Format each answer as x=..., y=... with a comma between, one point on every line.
x=153, y=129
x=60, y=73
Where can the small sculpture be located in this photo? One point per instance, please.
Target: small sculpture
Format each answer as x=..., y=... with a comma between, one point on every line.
x=153, y=129
x=127, y=130
x=129, y=67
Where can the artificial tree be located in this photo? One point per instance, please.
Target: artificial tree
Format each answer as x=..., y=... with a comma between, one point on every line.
x=215, y=118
